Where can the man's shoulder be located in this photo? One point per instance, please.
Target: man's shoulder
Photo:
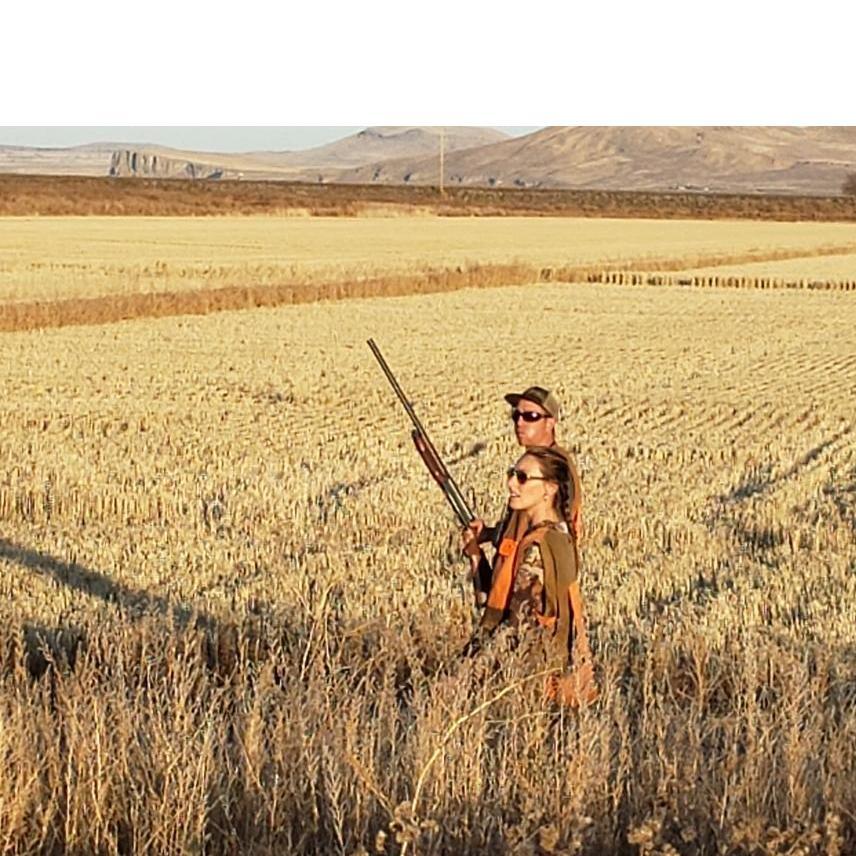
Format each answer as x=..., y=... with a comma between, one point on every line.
x=566, y=454
x=558, y=447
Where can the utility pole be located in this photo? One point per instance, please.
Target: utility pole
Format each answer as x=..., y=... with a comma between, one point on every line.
x=442, y=154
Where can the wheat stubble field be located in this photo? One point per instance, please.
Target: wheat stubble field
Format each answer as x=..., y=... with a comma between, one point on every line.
x=48, y=258
x=233, y=607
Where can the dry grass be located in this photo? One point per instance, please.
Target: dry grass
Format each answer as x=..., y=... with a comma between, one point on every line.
x=218, y=530
x=75, y=196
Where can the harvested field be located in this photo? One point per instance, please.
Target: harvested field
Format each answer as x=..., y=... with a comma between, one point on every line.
x=59, y=271
x=831, y=268
x=240, y=589
x=49, y=258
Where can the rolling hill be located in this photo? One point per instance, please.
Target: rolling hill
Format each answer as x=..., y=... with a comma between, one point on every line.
x=716, y=159
x=737, y=159
x=324, y=162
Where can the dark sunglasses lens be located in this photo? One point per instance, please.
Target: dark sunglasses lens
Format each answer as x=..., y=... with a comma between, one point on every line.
x=526, y=415
x=520, y=475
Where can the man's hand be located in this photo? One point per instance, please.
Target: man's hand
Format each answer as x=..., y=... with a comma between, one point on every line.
x=482, y=531
x=470, y=541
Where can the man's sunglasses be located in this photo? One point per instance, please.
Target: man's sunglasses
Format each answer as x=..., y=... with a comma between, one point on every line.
x=527, y=416
x=522, y=476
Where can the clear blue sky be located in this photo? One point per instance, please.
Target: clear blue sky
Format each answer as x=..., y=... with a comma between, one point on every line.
x=213, y=139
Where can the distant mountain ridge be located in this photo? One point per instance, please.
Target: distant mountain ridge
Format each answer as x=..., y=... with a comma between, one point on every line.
x=716, y=159
x=321, y=163
x=806, y=160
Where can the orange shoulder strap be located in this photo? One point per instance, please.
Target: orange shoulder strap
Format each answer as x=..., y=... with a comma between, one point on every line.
x=510, y=549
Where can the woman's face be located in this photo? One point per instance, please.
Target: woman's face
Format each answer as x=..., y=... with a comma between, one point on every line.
x=526, y=484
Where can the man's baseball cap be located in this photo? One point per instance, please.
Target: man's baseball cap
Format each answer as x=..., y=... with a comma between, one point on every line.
x=537, y=395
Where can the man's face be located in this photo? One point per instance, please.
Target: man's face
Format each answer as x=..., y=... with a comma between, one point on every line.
x=538, y=431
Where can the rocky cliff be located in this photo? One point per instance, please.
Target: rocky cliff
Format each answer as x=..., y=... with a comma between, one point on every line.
x=136, y=163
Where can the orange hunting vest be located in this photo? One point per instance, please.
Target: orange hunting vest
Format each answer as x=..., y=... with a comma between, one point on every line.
x=563, y=615
x=509, y=555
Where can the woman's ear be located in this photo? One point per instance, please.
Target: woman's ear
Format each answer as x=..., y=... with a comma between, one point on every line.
x=550, y=490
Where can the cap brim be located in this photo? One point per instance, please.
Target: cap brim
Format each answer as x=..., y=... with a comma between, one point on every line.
x=513, y=398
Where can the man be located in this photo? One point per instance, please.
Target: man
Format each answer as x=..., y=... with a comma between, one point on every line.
x=535, y=414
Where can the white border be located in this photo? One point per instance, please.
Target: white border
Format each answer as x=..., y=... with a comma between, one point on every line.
x=369, y=63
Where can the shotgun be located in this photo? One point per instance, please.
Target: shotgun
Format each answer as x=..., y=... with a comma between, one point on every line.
x=438, y=469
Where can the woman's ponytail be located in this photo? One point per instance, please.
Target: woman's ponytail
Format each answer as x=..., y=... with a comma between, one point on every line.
x=565, y=498
x=555, y=468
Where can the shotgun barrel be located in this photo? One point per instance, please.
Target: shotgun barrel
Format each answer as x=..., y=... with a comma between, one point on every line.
x=431, y=457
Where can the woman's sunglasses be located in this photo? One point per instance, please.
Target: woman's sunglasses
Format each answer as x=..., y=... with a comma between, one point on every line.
x=527, y=416
x=522, y=476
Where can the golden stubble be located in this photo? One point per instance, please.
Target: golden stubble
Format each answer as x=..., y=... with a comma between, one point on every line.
x=234, y=606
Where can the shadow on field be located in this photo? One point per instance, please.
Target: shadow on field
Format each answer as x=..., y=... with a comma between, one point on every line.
x=98, y=585
x=834, y=506
x=761, y=480
x=50, y=646
x=224, y=641
x=707, y=582
x=842, y=493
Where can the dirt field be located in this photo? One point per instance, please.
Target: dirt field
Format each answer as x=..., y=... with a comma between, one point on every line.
x=222, y=523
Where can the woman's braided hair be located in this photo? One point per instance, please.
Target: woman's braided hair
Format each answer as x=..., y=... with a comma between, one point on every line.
x=554, y=468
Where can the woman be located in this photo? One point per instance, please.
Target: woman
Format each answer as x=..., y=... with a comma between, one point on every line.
x=535, y=588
